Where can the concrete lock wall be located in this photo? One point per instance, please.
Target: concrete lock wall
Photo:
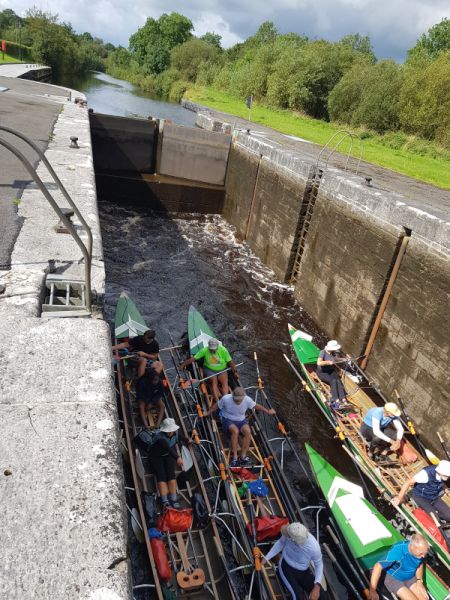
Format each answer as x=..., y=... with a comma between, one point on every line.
x=263, y=200
x=412, y=350
x=343, y=269
x=193, y=154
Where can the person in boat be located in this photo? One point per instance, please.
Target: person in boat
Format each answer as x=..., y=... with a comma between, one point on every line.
x=404, y=570
x=233, y=409
x=428, y=490
x=164, y=458
x=298, y=549
x=327, y=372
x=150, y=395
x=382, y=429
x=146, y=347
x=216, y=359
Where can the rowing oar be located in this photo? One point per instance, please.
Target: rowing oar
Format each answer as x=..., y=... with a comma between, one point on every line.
x=444, y=447
x=197, y=381
x=427, y=454
x=341, y=571
x=361, y=578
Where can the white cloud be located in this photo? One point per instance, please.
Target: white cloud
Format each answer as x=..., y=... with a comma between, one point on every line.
x=393, y=25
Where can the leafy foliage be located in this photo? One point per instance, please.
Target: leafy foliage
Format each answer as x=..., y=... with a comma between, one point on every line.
x=430, y=44
x=368, y=95
x=188, y=56
x=153, y=42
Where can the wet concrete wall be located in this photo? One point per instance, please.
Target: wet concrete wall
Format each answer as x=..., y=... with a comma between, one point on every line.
x=412, y=349
x=352, y=241
x=263, y=200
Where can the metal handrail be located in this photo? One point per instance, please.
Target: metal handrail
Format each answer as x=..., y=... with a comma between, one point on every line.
x=344, y=134
x=86, y=251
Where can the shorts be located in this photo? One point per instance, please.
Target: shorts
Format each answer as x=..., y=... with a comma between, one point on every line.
x=163, y=467
x=210, y=372
x=393, y=585
x=227, y=422
x=150, y=401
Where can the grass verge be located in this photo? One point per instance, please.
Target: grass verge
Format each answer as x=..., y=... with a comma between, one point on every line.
x=6, y=58
x=430, y=169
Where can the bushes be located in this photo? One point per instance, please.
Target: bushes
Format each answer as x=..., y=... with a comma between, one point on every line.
x=425, y=99
x=368, y=95
x=18, y=51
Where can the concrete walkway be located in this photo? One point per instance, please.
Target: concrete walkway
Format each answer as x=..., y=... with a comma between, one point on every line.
x=61, y=493
x=19, y=69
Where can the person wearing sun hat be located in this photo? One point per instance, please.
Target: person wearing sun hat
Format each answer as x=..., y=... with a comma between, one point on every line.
x=164, y=458
x=327, y=372
x=298, y=549
x=381, y=428
x=429, y=490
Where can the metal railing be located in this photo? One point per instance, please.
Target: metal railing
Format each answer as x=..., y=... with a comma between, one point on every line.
x=344, y=135
x=86, y=250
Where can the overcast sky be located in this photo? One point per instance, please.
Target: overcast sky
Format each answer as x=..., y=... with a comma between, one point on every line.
x=393, y=25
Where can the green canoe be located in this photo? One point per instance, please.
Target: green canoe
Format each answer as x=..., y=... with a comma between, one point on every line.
x=199, y=332
x=368, y=534
x=387, y=479
x=128, y=321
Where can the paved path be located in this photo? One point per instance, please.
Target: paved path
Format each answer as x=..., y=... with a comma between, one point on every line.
x=19, y=69
x=31, y=108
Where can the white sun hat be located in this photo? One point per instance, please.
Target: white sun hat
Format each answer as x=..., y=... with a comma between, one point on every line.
x=443, y=468
x=168, y=426
x=297, y=532
x=332, y=346
x=393, y=409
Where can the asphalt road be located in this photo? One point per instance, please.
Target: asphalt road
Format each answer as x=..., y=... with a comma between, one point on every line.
x=27, y=107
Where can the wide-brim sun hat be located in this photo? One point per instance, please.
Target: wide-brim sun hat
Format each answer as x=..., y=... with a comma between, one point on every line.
x=332, y=346
x=392, y=409
x=213, y=344
x=169, y=426
x=238, y=392
x=443, y=468
x=297, y=532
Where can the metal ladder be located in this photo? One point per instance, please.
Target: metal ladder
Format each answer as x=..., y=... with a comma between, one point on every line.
x=312, y=189
x=80, y=302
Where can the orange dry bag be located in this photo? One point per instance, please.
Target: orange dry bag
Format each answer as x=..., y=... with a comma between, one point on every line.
x=160, y=558
x=267, y=527
x=175, y=521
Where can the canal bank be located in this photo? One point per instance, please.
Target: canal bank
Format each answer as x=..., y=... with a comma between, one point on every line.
x=63, y=512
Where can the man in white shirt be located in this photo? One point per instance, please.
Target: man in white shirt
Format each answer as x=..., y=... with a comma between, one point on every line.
x=233, y=408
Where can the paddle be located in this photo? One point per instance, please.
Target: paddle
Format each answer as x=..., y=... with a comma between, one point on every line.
x=427, y=454
x=444, y=447
x=186, y=456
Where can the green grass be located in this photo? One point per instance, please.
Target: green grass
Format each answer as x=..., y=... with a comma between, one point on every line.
x=7, y=58
x=430, y=169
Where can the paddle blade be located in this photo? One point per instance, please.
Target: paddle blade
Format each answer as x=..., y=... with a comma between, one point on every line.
x=187, y=459
x=432, y=458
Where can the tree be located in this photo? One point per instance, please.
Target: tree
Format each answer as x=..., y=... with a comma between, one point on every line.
x=187, y=57
x=368, y=95
x=8, y=19
x=424, y=100
x=266, y=34
x=212, y=38
x=153, y=42
x=359, y=43
x=436, y=40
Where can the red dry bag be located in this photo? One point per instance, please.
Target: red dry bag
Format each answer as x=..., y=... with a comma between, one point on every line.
x=430, y=526
x=267, y=527
x=406, y=454
x=243, y=473
x=175, y=521
x=160, y=558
